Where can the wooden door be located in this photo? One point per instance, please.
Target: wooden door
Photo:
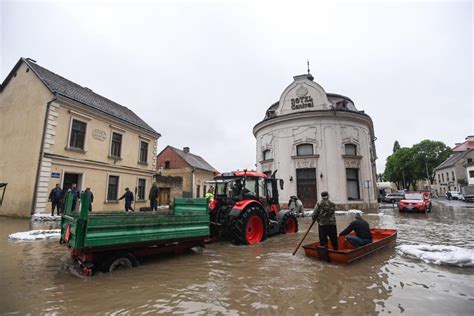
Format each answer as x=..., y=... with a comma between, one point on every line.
x=164, y=196
x=306, y=186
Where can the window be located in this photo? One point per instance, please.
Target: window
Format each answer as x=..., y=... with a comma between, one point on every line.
x=452, y=173
x=141, y=189
x=112, y=189
x=439, y=179
x=198, y=191
x=78, y=134
x=251, y=185
x=267, y=154
x=204, y=191
x=143, y=152
x=116, y=148
x=447, y=176
x=469, y=160
x=350, y=149
x=304, y=150
x=471, y=173
x=442, y=176
x=352, y=184
x=167, y=164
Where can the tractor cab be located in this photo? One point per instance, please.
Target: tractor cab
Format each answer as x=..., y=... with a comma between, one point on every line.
x=240, y=195
x=234, y=187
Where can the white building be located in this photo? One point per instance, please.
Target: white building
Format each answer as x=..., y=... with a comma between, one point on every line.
x=318, y=142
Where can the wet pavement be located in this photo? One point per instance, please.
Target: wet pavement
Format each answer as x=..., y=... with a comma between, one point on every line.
x=260, y=279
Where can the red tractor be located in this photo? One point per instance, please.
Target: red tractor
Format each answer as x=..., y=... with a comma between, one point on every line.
x=246, y=210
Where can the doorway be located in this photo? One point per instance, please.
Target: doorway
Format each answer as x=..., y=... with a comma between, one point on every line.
x=70, y=178
x=306, y=186
x=164, y=196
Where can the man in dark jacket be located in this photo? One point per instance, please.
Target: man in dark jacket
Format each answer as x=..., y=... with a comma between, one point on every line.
x=153, y=196
x=55, y=197
x=75, y=196
x=88, y=190
x=362, y=231
x=325, y=213
x=128, y=196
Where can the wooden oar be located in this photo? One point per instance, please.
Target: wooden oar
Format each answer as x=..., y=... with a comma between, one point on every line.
x=304, y=237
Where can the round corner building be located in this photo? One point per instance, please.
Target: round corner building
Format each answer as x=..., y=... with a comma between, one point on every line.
x=318, y=142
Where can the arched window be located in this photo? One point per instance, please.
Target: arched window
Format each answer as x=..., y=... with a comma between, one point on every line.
x=304, y=150
x=350, y=149
x=267, y=154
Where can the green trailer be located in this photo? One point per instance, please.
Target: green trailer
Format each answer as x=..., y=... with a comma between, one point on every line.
x=109, y=241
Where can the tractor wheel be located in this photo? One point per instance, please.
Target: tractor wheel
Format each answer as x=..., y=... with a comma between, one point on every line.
x=251, y=227
x=120, y=261
x=289, y=224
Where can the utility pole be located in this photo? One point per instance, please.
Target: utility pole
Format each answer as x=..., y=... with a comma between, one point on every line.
x=428, y=176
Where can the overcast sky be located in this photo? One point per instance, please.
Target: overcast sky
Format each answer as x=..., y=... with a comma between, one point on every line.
x=203, y=73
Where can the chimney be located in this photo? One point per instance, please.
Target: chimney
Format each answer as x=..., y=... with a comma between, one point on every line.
x=186, y=150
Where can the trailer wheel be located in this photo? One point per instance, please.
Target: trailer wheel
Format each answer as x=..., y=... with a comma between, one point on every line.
x=121, y=261
x=251, y=227
x=289, y=224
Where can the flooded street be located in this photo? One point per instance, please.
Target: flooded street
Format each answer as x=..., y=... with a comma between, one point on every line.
x=261, y=279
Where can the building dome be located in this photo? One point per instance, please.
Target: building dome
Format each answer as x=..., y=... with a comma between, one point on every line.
x=318, y=142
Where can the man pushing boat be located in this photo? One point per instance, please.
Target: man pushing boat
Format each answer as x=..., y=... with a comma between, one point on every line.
x=325, y=214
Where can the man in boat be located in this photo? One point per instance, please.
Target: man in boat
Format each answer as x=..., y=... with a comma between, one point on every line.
x=325, y=213
x=362, y=231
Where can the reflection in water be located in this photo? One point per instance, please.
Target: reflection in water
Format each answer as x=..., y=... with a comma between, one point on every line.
x=258, y=279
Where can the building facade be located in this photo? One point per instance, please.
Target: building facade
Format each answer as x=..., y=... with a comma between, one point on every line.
x=193, y=169
x=56, y=131
x=319, y=142
x=454, y=173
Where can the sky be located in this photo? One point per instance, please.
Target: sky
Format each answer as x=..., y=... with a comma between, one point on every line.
x=203, y=73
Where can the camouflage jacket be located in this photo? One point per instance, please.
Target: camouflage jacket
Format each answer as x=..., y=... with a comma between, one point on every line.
x=325, y=213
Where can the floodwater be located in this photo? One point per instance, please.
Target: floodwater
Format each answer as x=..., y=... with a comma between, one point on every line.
x=263, y=279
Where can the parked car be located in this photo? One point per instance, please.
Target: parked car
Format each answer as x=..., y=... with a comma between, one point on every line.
x=415, y=201
x=455, y=195
x=393, y=197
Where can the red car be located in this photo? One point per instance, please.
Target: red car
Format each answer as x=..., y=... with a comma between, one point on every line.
x=416, y=201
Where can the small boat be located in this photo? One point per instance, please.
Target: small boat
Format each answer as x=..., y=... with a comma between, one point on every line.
x=381, y=238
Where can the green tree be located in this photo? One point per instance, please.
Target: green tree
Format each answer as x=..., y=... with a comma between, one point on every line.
x=398, y=168
x=407, y=165
x=428, y=154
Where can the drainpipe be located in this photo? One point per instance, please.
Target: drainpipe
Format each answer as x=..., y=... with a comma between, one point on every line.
x=192, y=181
x=40, y=158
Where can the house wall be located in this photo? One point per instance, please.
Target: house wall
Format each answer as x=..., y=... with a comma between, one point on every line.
x=460, y=175
x=200, y=179
x=94, y=164
x=178, y=167
x=23, y=104
x=23, y=108
x=186, y=174
x=174, y=184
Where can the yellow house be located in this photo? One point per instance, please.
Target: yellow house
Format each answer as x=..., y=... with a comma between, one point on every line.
x=56, y=131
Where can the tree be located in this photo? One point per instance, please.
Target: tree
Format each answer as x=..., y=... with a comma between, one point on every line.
x=429, y=154
x=407, y=165
x=396, y=146
x=398, y=168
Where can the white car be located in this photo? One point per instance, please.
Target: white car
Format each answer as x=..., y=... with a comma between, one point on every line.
x=455, y=195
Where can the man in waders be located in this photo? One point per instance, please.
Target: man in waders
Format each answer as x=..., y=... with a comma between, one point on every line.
x=325, y=213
